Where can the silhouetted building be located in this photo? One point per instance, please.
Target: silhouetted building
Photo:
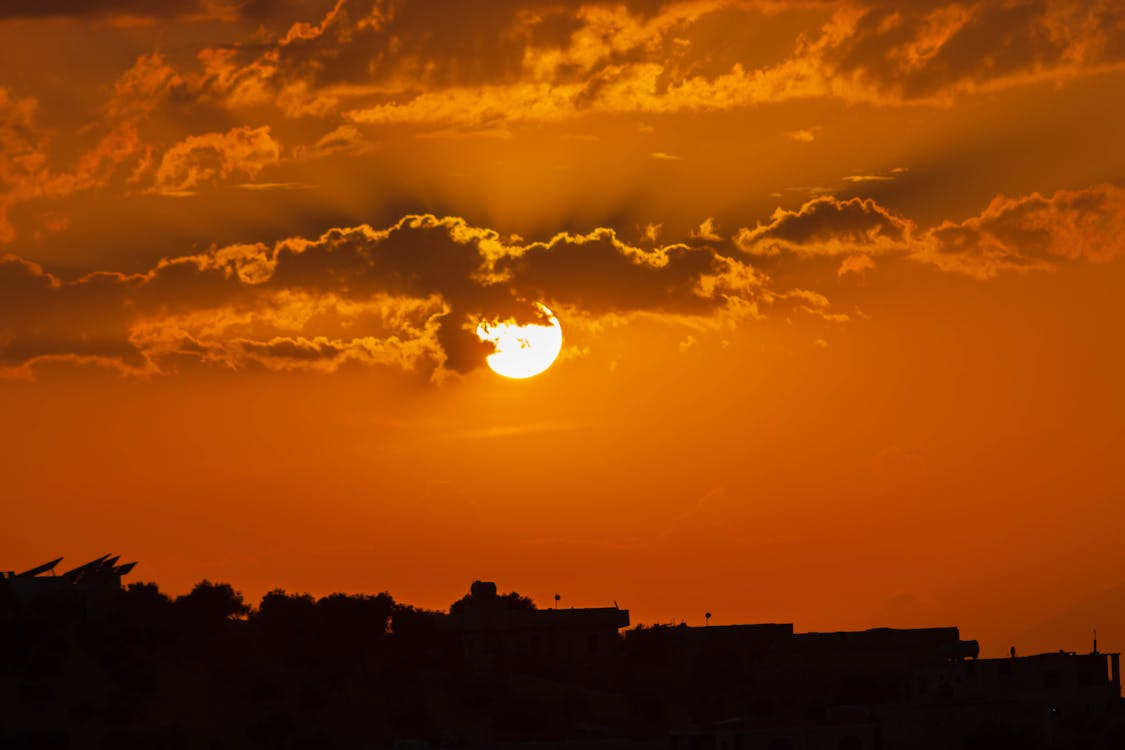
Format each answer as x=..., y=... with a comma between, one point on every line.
x=500, y=635
x=83, y=587
x=920, y=689
x=1063, y=699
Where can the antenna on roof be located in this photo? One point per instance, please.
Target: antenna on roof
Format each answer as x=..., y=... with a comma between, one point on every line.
x=707, y=616
x=1095, y=640
x=557, y=597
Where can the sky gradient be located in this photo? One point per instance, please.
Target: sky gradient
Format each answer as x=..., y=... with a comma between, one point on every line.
x=840, y=283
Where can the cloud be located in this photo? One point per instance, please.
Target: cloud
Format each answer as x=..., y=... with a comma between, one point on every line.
x=708, y=230
x=21, y=158
x=804, y=135
x=343, y=138
x=202, y=160
x=934, y=51
x=617, y=59
x=404, y=296
x=408, y=296
x=135, y=10
x=444, y=64
x=218, y=308
x=828, y=226
x=142, y=88
x=857, y=264
x=858, y=178
x=1033, y=232
x=41, y=317
x=25, y=169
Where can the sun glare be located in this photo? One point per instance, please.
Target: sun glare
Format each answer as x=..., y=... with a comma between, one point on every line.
x=522, y=351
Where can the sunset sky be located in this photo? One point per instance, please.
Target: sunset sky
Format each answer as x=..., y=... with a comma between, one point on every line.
x=841, y=287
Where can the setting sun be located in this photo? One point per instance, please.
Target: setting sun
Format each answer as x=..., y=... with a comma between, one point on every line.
x=522, y=351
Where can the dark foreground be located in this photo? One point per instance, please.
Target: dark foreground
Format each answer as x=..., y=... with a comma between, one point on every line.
x=101, y=666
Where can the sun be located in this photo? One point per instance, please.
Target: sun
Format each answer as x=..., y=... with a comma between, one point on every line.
x=522, y=351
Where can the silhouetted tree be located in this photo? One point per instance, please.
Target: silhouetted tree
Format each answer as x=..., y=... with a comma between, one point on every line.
x=212, y=602
x=279, y=610
x=409, y=622
x=359, y=617
x=331, y=621
x=511, y=600
x=144, y=601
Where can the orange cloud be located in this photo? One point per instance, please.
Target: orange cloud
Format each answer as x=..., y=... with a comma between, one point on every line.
x=452, y=68
x=405, y=296
x=804, y=135
x=21, y=160
x=857, y=264
x=143, y=86
x=1033, y=232
x=397, y=296
x=828, y=226
x=202, y=160
x=620, y=60
x=123, y=10
x=932, y=52
x=26, y=172
x=299, y=330
x=305, y=31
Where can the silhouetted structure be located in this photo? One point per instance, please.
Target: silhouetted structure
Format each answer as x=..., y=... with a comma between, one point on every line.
x=84, y=588
x=206, y=670
x=102, y=573
x=763, y=687
x=498, y=635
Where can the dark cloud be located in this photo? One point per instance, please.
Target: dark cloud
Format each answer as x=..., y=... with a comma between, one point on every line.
x=912, y=51
x=828, y=226
x=448, y=64
x=26, y=172
x=1032, y=232
x=201, y=160
x=600, y=274
x=109, y=8
x=40, y=316
x=408, y=295
x=251, y=10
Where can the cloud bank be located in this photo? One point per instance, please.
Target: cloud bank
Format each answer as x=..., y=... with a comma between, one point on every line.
x=410, y=295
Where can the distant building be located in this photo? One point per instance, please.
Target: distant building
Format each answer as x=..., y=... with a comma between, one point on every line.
x=882, y=688
x=41, y=588
x=500, y=635
x=1063, y=698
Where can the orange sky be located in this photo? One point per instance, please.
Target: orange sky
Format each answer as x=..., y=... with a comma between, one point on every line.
x=841, y=288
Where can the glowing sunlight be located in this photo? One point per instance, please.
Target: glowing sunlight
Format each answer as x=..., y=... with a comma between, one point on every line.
x=522, y=351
